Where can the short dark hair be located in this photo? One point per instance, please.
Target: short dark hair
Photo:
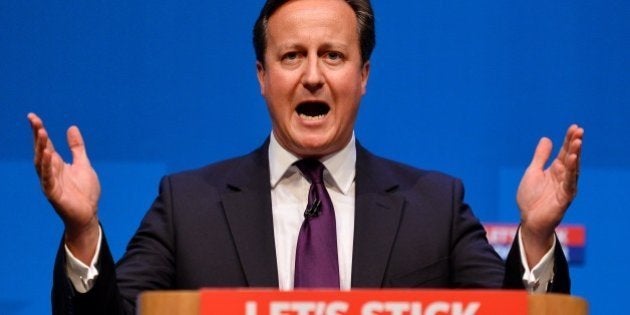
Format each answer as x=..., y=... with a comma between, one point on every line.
x=365, y=25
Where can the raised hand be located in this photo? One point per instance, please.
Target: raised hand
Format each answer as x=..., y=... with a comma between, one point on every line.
x=544, y=195
x=72, y=189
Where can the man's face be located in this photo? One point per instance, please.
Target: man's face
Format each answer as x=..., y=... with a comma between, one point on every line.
x=313, y=77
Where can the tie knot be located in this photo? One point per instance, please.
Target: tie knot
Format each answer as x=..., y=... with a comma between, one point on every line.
x=312, y=169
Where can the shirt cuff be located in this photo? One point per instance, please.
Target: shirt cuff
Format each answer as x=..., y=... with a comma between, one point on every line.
x=81, y=275
x=538, y=278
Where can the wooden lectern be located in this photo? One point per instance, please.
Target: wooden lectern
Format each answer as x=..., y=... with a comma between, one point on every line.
x=407, y=302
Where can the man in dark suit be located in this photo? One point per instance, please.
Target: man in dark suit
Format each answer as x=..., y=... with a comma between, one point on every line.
x=236, y=223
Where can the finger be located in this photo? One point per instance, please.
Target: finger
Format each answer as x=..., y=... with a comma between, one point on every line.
x=36, y=126
x=573, y=147
x=571, y=175
x=541, y=154
x=572, y=161
x=40, y=146
x=47, y=172
x=36, y=123
x=562, y=154
x=42, y=143
x=77, y=146
x=578, y=134
x=578, y=147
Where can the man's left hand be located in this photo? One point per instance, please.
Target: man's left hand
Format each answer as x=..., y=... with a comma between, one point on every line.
x=545, y=194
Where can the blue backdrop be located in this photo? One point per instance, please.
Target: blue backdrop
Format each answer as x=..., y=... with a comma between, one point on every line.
x=162, y=86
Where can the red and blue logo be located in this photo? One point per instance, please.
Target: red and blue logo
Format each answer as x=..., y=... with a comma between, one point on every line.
x=572, y=237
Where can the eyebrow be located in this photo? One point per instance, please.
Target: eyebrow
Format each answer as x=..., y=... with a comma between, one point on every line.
x=335, y=45
x=326, y=45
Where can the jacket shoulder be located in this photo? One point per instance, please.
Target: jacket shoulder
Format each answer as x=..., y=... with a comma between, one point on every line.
x=238, y=170
x=406, y=176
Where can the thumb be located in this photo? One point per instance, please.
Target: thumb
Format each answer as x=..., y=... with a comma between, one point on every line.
x=77, y=146
x=542, y=153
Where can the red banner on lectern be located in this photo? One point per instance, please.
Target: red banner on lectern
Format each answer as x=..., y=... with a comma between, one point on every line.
x=362, y=302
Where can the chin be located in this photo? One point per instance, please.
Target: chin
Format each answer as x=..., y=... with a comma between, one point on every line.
x=313, y=147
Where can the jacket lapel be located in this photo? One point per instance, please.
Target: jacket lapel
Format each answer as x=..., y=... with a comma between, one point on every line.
x=247, y=206
x=377, y=217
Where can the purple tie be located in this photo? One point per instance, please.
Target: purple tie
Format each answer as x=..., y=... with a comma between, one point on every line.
x=316, y=264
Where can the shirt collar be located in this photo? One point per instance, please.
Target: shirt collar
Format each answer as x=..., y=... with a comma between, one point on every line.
x=340, y=166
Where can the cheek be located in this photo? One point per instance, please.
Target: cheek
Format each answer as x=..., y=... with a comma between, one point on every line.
x=350, y=82
x=349, y=114
x=282, y=80
x=351, y=95
x=348, y=91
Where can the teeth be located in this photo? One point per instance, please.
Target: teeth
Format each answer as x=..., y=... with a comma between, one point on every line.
x=312, y=117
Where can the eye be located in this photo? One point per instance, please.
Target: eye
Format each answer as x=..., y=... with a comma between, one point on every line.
x=334, y=57
x=290, y=57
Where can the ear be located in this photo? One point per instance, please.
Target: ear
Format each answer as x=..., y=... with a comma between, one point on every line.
x=260, y=73
x=365, y=74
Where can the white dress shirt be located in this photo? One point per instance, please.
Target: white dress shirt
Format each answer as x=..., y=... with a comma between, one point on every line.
x=289, y=197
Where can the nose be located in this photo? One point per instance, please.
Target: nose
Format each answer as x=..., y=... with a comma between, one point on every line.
x=313, y=78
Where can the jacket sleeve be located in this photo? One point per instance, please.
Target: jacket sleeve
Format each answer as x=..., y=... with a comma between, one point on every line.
x=474, y=263
x=561, y=282
x=103, y=298
x=148, y=264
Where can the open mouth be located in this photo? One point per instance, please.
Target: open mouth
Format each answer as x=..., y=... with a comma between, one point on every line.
x=312, y=110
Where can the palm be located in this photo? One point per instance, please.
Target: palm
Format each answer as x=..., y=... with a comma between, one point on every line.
x=74, y=190
x=545, y=194
x=542, y=197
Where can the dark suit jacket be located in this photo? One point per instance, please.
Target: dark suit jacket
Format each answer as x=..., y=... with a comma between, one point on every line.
x=212, y=227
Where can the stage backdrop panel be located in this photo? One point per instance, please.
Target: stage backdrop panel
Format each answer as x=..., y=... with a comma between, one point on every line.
x=163, y=86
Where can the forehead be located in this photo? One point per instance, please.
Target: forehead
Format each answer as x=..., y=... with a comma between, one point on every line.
x=307, y=18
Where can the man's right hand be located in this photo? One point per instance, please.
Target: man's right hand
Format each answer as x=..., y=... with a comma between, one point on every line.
x=72, y=189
